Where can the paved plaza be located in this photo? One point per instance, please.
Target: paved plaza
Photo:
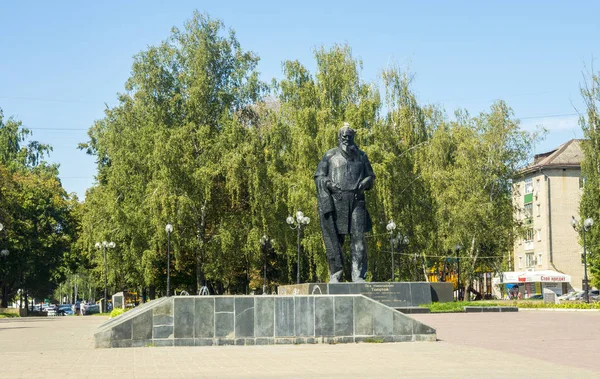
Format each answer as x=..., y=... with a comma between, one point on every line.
x=533, y=344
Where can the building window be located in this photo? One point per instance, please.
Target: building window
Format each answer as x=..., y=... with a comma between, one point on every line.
x=528, y=210
x=529, y=235
x=539, y=260
x=538, y=185
x=529, y=260
x=538, y=234
x=528, y=186
x=539, y=210
x=520, y=262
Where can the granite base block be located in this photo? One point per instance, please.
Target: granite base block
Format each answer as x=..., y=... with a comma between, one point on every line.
x=203, y=341
x=163, y=342
x=184, y=342
x=238, y=320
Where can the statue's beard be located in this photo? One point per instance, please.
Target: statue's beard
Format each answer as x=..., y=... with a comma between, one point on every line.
x=349, y=149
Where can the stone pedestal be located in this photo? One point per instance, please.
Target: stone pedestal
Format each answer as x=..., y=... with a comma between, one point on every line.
x=392, y=294
x=260, y=320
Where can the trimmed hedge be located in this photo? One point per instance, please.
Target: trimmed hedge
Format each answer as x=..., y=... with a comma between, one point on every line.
x=457, y=306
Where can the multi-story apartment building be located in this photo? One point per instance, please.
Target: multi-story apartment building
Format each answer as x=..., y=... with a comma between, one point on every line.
x=547, y=197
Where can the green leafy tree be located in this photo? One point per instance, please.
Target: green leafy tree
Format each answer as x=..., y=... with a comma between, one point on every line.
x=175, y=150
x=470, y=165
x=590, y=169
x=199, y=142
x=39, y=230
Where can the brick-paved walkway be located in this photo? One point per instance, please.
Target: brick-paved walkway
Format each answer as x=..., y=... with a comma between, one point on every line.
x=570, y=338
x=527, y=344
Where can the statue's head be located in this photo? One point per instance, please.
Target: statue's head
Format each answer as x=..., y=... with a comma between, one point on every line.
x=346, y=136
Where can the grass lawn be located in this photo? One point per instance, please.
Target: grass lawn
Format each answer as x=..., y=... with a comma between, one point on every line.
x=457, y=306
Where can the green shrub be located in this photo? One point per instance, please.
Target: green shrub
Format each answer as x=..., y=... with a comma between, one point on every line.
x=9, y=315
x=117, y=312
x=563, y=305
x=457, y=306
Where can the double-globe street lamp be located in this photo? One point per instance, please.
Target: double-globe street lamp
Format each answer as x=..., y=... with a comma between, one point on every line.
x=104, y=245
x=298, y=223
x=4, y=252
x=266, y=245
x=391, y=226
x=395, y=241
x=169, y=230
x=4, y=255
x=457, y=248
x=587, y=225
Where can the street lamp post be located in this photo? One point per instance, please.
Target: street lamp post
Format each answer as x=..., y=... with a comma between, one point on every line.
x=266, y=245
x=3, y=254
x=391, y=226
x=587, y=225
x=298, y=223
x=103, y=245
x=169, y=230
x=457, y=248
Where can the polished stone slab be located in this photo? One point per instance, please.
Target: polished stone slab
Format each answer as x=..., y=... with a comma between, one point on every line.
x=260, y=320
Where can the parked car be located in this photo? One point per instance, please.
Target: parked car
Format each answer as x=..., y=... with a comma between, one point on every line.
x=536, y=297
x=576, y=296
x=593, y=295
x=64, y=309
x=52, y=309
x=567, y=295
x=90, y=309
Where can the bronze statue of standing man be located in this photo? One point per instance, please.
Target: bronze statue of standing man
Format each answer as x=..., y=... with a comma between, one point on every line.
x=342, y=177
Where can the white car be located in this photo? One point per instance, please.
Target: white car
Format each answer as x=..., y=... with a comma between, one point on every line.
x=567, y=295
x=576, y=296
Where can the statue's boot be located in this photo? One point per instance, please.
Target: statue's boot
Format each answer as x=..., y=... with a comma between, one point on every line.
x=335, y=277
x=356, y=277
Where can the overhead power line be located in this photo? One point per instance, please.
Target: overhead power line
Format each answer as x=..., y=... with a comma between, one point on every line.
x=56, y=129
x=549, y=116
x=51, y=100
x=520, y=118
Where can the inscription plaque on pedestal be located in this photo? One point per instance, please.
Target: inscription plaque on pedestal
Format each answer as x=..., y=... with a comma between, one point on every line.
x=392, y=294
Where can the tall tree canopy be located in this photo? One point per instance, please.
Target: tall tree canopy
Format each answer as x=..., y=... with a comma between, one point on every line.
x=39, y=230
x=590, y=169
x=198, y=141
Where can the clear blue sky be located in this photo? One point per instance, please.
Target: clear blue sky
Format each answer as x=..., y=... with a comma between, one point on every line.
x=62, y=61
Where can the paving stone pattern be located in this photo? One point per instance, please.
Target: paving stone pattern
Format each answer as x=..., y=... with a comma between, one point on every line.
x=532, y=344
